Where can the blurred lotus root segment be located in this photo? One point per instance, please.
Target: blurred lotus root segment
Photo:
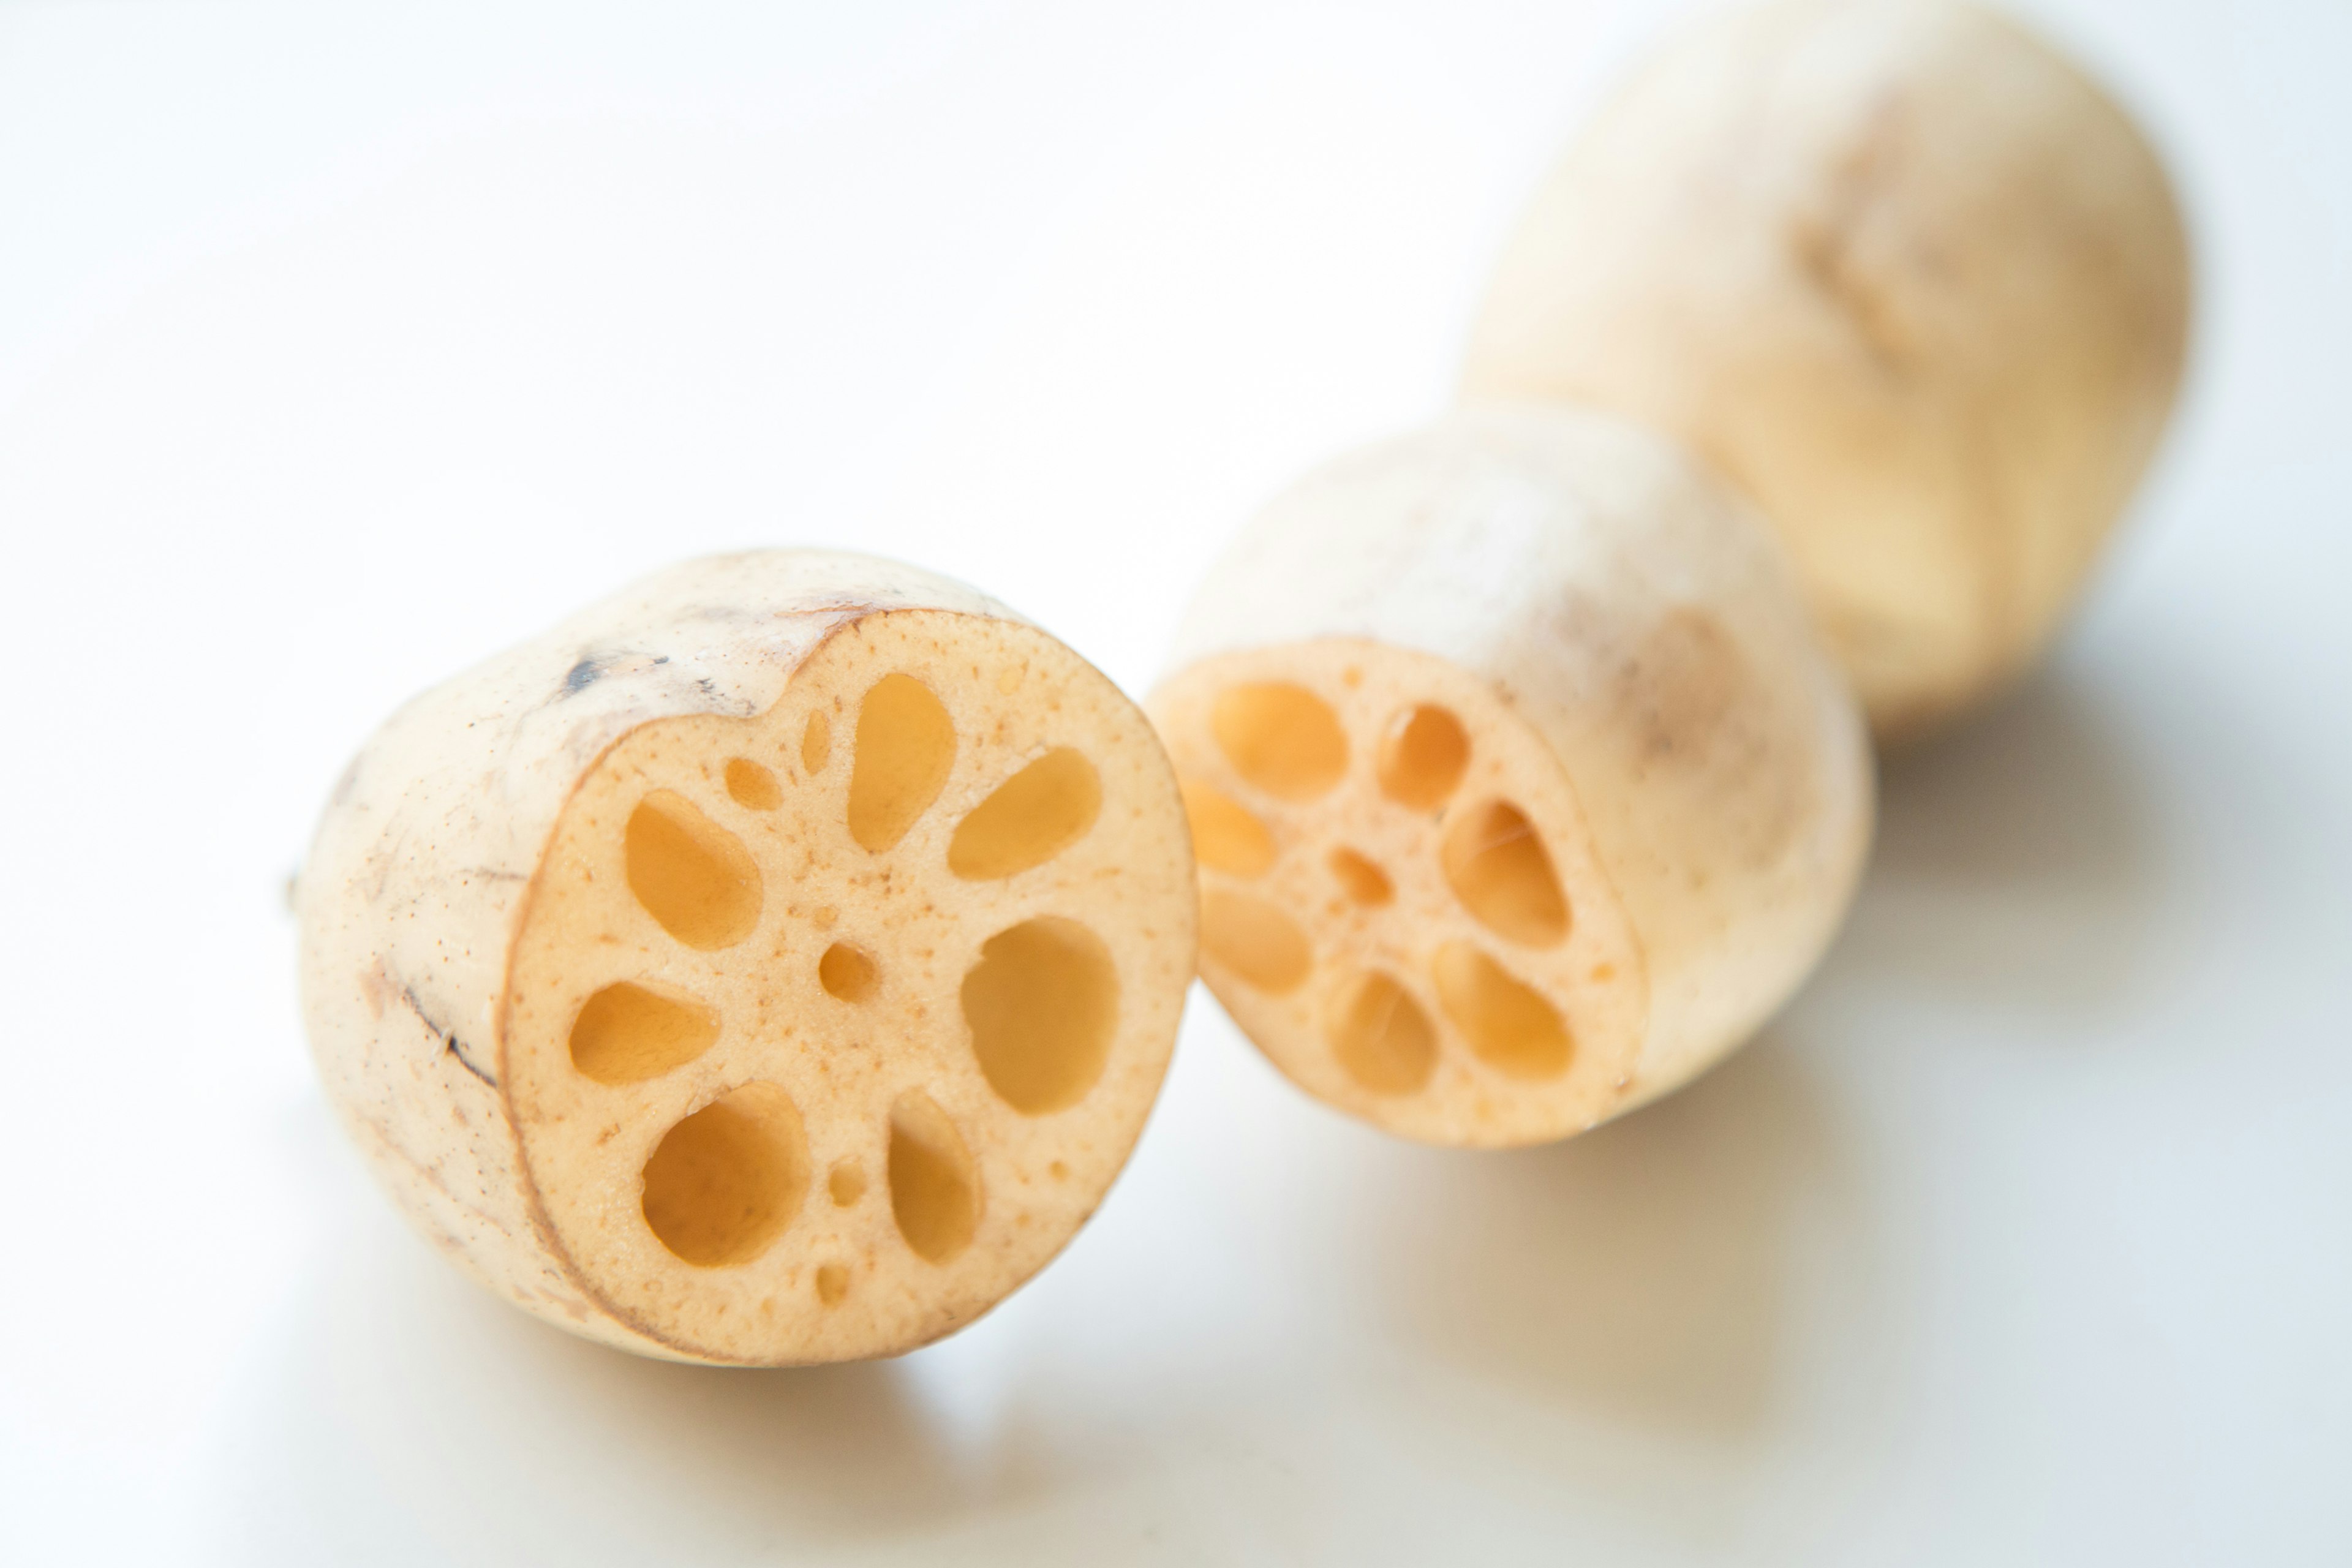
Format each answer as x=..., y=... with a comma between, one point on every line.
x=1521, y=791
x=1903, y=275
x=773, y=963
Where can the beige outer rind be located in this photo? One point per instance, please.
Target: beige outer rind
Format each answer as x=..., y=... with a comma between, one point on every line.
x=417, y=882
x=1903, y=275
x=1645, y=627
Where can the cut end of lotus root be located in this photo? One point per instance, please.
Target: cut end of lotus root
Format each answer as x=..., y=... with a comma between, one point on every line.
x=820, y=1047
x=1400, y=900
x=825, y=1022
x=1521, y=790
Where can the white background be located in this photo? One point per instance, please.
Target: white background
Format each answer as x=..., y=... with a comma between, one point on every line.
x=342, y=346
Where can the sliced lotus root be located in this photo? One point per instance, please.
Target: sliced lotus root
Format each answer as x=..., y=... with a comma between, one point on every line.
x=1399, y=896
x=1519, y=790
x=775, y=964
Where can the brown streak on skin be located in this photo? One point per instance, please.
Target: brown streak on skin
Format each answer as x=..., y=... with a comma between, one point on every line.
x=448, y=1037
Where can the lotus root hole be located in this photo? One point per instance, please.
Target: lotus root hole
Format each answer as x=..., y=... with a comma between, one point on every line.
x=1226, y=837
x=1282, y=738
x=1042, y=1006
x=906, y=744
x=1032, y=816
x=1508, y=1025
x=847, y=973
x=1359, y=879
x=628, y=1033
x=845, y=1181
x=753, y=786
x=934, y=1188
x=1257, y=941
x=816, y=745
x=831, y=1283
x=1495, y=861
x=726, y=1181
x=692, y=876
x=1422, y=756
x=1382, y=1038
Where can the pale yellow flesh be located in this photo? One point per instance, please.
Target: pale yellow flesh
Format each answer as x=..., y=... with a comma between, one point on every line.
x=1400, y=902
x=828, y=1026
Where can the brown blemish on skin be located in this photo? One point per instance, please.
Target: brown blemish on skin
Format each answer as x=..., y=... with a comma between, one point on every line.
x=1684, y=682
x=1830, y=244
x=1700, y=718
x=375, y=988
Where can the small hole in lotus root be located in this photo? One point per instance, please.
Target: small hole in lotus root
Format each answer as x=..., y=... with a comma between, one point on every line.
x=847, y=973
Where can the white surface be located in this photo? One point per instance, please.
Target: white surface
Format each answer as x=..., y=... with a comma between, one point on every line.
x=338, y=347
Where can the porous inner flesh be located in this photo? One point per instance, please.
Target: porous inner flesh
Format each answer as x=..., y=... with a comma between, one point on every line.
x=827, y=1026
x=1399, y=901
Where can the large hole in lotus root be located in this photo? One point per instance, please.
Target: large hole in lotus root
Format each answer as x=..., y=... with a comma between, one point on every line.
x=752, y=786
x=1043, y=1004
x=816, y=745
x=1422, y=756
x=726, y=1181
x=1494, y=860
x=906, y=744
x=1384, y=1039
x=628, y=1033
x=1255, y=941
x=1030, y=818
x=934, y=1187
x=1226, y=837
x=1282, y=738
x=1509, y=1025
x=691, y=875
x=1360, y=878
x=848, y=973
